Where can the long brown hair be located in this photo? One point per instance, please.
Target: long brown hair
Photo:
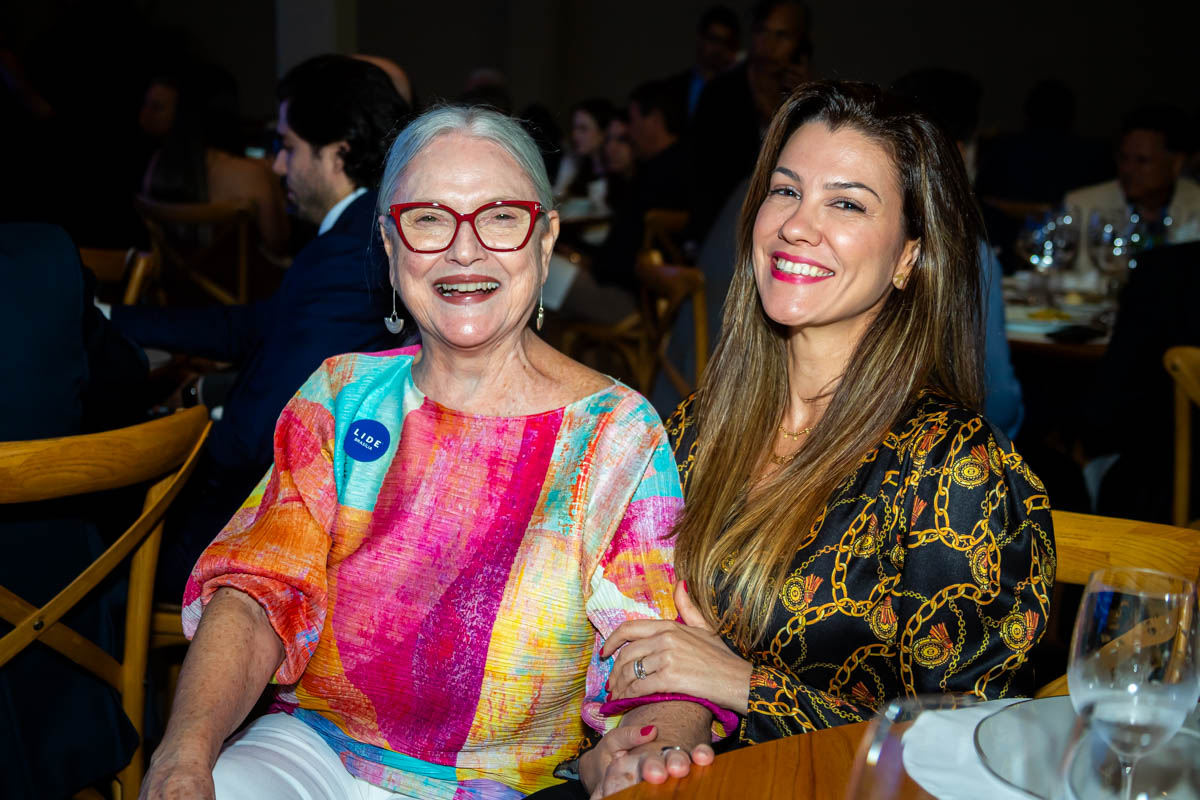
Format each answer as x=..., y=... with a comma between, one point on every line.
x=740, y=544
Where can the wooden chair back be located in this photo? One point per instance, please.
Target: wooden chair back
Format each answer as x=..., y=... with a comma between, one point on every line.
x=133, y=268
x=624, y=341
x=664, y=289
x=1085, y=543
x=661, y=229
x=1184, y=365
x=223, y=221
x=164, y=450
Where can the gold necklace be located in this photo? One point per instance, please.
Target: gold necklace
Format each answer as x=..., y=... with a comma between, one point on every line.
x=780, y=461
x=795, y=434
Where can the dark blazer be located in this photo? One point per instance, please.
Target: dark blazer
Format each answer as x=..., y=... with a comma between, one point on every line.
x=1130, y=409
x=65, y=372
x=332, y=300
x=723, y=141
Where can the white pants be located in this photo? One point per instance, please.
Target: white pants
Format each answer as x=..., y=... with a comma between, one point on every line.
x=281, y=757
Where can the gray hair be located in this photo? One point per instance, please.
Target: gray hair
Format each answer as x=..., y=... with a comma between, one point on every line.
x=475, y=121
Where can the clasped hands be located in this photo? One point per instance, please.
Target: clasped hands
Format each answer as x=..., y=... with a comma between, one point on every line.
x=688, y=658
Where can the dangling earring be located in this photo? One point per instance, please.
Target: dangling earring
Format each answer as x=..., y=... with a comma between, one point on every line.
x=541, y=317
x=394, y=323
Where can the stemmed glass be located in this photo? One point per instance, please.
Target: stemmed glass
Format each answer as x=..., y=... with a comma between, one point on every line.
x=1115, y=237
x=881, y=768
x=1133, y=660
x=1050, y=242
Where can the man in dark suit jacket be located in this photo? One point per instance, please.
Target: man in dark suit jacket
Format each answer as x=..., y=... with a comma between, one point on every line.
x=736, y=107
x=65, y=372
x=337, y=117
x=1129, y=411
x=716, y=51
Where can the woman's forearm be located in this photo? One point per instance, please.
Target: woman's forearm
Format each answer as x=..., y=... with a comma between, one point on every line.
x=234, y=653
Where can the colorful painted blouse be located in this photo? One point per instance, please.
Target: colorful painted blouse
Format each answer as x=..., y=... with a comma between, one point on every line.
x=443, y=582
x=928, y=571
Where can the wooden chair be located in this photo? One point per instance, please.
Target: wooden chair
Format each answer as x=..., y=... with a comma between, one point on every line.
x=624, y=340
x=661, y=228
x=135, y=269
x=164, y=450
x=627, y=340
x=224, y=222
x=664, y=290
x=1184, y=365
x=1085, y=543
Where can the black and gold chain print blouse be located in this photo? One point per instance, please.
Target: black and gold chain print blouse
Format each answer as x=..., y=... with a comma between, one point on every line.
x=930, y=571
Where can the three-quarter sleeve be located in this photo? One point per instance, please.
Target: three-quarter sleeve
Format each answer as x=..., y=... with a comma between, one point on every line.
x=633, y=577
x=276, y=547
x=974, y=543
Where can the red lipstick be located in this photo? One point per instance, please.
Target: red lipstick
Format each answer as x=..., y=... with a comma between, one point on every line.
x=789, y=277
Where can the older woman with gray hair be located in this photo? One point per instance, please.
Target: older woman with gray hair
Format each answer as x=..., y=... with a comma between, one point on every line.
x=447, y=536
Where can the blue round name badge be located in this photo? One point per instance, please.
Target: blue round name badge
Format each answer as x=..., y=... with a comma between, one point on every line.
x=366, y=440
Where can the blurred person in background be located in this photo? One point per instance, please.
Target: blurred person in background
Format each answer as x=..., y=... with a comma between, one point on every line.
x=607, y=293
x=193, y=114
x=1047, y=158
x=487, y=87
x=336, y=118
x=717, y=39
x=736, y=107
x=1129, y=414
x=1153, y=147
x=951, y=99
x=619, y=162
x=583, y=165
x=395, y=72
x=61, y=728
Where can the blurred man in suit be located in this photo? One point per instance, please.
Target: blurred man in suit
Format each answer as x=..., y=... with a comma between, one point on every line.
x=716, y=51
x=337, y=116
x=736, y=106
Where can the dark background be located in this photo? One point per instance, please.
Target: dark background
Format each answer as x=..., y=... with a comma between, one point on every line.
x=1114, y=54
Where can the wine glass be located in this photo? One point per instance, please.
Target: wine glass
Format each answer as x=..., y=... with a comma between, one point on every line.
x=1090, y=770
x=888, y=752
x=1115, y=237
x=1049, y=242
x=1133, y=660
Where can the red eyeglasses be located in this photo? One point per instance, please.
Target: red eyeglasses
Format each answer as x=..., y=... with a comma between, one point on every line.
x=501, y=226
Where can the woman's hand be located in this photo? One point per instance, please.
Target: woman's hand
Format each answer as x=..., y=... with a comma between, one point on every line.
x=685, y=659
x=627, y=755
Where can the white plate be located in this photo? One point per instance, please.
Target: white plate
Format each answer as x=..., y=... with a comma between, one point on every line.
x=1022, y=745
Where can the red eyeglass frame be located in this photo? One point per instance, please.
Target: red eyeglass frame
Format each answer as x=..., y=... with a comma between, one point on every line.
x=532, y=206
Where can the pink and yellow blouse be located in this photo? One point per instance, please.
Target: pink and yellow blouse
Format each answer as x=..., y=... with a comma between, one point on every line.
x=443, y=582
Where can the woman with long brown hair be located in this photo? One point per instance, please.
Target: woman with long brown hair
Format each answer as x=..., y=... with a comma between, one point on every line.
x=854, y=529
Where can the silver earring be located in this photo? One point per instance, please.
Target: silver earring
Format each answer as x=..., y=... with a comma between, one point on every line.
x=394, y=323
x=541, y=317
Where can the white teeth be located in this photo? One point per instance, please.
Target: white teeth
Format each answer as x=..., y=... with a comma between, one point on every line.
x=794, y=268
x=466, y=288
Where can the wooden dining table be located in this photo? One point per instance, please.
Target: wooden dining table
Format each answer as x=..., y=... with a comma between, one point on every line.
x=805, y=767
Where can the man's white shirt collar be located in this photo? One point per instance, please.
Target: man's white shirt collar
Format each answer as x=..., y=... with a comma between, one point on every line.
x=331, y=217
